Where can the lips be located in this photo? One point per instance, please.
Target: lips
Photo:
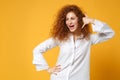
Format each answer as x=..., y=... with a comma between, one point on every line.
x=71, y=27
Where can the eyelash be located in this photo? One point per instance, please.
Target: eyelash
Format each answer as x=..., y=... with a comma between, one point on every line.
x=71, y=19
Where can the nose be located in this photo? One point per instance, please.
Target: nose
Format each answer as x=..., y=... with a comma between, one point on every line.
x=69, y=21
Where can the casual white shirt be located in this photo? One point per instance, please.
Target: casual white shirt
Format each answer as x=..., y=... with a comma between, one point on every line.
x=74, y=56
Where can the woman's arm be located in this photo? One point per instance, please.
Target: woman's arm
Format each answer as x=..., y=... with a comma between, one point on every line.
x=103, y=32
x=38, y=58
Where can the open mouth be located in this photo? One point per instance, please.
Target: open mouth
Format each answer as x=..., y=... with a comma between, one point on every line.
x=71, y=26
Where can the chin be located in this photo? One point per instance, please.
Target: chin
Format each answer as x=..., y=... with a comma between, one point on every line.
x=72, y=30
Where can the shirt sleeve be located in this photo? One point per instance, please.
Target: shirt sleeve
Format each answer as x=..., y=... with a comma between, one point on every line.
x=103, y=32
x=38, y=58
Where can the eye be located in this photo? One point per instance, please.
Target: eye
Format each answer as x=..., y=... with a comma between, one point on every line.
x=72, y=18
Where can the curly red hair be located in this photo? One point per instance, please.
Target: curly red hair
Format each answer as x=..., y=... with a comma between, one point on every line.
x=60, y=30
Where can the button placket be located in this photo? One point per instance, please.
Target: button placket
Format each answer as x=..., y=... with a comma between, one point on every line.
x=73, y=54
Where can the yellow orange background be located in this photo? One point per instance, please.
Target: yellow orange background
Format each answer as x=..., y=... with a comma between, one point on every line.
x=26, y=23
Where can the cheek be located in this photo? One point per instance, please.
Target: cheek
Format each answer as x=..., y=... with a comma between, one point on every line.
x=66, y=23
x=75, y=22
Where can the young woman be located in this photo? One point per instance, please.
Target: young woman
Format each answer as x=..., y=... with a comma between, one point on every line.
x=71, y=32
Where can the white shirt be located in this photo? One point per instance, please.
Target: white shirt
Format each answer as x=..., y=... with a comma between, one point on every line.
x=74, y=56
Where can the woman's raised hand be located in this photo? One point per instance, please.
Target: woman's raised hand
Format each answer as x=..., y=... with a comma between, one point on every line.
x=87, y=20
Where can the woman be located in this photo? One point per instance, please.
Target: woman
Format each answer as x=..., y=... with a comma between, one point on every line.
x=71, y=32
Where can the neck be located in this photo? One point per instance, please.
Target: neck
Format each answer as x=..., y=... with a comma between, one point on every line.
x=74, y=37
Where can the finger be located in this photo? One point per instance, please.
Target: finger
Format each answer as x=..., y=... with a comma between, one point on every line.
x=83, y=25
x=58, y=70
x=86, y=15
x=54, y=73
x=50, y=70
x=58, y=66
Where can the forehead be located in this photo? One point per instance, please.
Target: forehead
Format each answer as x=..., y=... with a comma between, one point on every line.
x=71, y=14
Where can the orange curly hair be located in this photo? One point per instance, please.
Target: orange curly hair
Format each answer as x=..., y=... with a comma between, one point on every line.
x=60, y=30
